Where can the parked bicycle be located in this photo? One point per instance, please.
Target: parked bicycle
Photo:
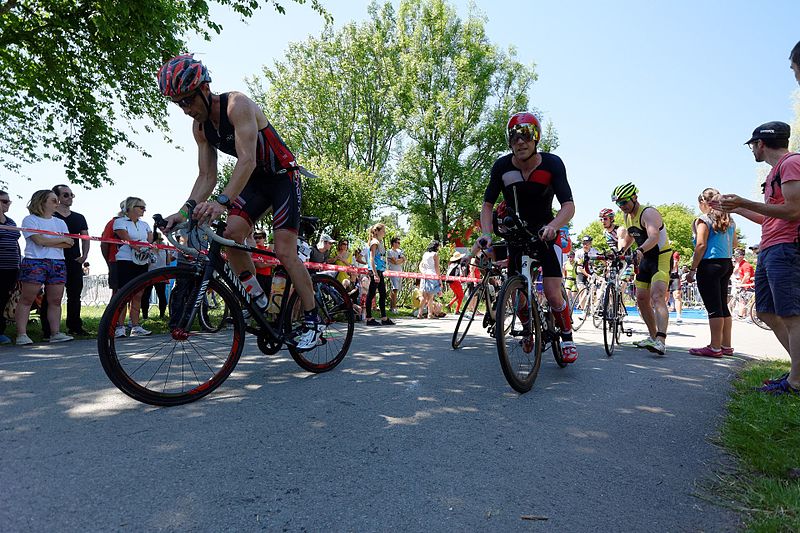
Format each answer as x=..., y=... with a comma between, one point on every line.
x=484, y=291
x=525, y=324
x=192, y=359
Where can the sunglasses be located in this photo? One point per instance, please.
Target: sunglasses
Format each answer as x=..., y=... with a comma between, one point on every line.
x=186, y=101
x=68, y=195
x=620, y=203
x=526, y=132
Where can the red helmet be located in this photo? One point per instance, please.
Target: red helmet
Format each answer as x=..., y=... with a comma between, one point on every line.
x=526, y=124
x=604, y=213
x=182, y=74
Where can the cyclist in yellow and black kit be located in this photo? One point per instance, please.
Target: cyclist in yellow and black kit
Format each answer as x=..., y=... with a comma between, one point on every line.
x=644, y=225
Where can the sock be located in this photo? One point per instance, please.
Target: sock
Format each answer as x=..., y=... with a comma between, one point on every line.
x=564, y=321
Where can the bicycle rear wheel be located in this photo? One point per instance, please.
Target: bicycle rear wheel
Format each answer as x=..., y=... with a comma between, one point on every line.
x=578, y=313
x=214, y=313
x=467, y=315
x=751, y=309
x=183, y=363
x=610, y=323
x=519, y=335
x=336, y=313
x=597, y=310
x=621, y=314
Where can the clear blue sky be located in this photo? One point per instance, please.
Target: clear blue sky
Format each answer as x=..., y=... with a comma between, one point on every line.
x=659, y=93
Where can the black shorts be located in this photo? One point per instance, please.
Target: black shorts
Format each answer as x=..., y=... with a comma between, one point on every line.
x=264, y=191
x=127, y=270
x=113, y=278
x=551, y=266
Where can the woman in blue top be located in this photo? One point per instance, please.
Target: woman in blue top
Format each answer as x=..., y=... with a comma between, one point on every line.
x=376, y=263
x=715, y=239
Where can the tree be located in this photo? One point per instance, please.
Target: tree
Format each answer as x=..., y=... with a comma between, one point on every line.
x=74, y=71
x=456, y=91
x=334, y=96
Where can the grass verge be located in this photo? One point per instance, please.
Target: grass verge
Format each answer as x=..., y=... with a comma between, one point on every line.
x=763, y=433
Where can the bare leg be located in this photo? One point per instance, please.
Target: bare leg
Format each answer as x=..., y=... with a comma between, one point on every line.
x=28, y=296
x=54, y=294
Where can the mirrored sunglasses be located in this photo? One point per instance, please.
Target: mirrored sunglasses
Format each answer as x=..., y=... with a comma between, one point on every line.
x=526, y=132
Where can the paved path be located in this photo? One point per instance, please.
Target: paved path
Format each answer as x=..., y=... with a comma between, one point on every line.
x=406, y=435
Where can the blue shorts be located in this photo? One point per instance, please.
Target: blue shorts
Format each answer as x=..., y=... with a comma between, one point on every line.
x=778, y=280
x=43, y=271
x=431, y=286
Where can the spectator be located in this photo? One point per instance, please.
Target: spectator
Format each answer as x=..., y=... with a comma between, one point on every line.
x=456, y=268
x=320, y=253
x=396, y=261
x=715, y=238
x=263, y=268
x=43, y=264
x=779, y=254
x=86, y=268
x=675, y=286
x=9, y=262
x=132, y=260
x=162, y=259
x=430, y=287
x=109, y=251
x=743, y=270
x=344, y=258
x=74, y=258
x=377, y=266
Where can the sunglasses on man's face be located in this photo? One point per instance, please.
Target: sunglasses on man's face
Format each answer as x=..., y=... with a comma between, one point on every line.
x=620, y=203
x=186, y=101
x=526, y=132
x=67, y=195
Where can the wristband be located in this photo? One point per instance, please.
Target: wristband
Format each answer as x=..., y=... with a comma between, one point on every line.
x=184, y=213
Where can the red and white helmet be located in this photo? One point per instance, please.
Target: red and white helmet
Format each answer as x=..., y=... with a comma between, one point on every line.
x=181, y=75
x=606, y=213
x=526, y=124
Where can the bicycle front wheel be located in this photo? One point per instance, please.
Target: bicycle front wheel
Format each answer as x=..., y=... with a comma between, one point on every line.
x=181, y=363
x=610, y=322
x=519, y=335
x=467, y=315
x=336, y=313
x=579, y=307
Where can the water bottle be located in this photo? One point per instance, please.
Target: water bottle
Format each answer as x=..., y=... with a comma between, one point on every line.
x=254, y=289
x=278, y=285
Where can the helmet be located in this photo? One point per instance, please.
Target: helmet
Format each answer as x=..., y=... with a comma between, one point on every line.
x=524, y=122
x=182, y=74
x=587, y=238
x=624, y=192
x=605, y=213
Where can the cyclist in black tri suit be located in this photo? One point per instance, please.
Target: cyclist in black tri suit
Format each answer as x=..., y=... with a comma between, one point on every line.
x=537, y=177
x=265, y=176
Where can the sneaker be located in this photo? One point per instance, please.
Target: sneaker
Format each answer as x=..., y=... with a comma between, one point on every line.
x=706, y=351
x=373, y=322
x=569, y=352
x=779, y=387
x=656, y=347
x=139, y=331
x=727, y=351
x=119, y=332
x=644, y=343
x=78, y=333
x=23, y=340
x=775, y=380
x=60, y=337
x=4, y=340
x=311, y=336
x=387, y=322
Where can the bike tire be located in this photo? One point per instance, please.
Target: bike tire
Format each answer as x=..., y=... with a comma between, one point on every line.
x=754, y=315
x=621, y=314
x=578, y=315
x=336, y=313
x=597, y=314
x=466, y=316
x=610, y=324
x=519, y=345
x=182, y=365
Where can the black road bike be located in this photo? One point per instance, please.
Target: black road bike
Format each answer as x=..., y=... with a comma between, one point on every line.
x=204, y=342
x=612, y=309
x=525, y=324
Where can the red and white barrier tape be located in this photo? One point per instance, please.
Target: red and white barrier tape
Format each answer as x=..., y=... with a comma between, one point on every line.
x=269, y=260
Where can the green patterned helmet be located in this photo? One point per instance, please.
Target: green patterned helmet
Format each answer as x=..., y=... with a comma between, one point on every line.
x=624, y=192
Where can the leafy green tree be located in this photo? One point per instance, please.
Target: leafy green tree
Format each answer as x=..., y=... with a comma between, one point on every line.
x=334, y=96
x=456, y=91
x=76, y=71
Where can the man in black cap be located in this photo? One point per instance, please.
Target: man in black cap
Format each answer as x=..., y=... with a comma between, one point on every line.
x=776, y=280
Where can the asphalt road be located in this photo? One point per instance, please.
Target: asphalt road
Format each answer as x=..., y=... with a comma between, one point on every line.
x=405, y=435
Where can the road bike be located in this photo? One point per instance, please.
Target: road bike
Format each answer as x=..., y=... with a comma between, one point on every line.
x=525, y=324
x=612, y=307
x=587, y=303
x=192, y=359
x=484, y=291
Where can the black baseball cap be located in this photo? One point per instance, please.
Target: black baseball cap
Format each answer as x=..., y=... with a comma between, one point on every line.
x=771, y=130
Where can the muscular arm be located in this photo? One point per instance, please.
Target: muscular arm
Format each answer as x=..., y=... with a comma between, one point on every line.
x=652, y=222
x=624, y=239
x=486, y=218
x=564, y=215
x=242, y=113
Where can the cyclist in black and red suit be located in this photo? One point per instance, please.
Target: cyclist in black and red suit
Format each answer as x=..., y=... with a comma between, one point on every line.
x=266, y=176
x=537, y=177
